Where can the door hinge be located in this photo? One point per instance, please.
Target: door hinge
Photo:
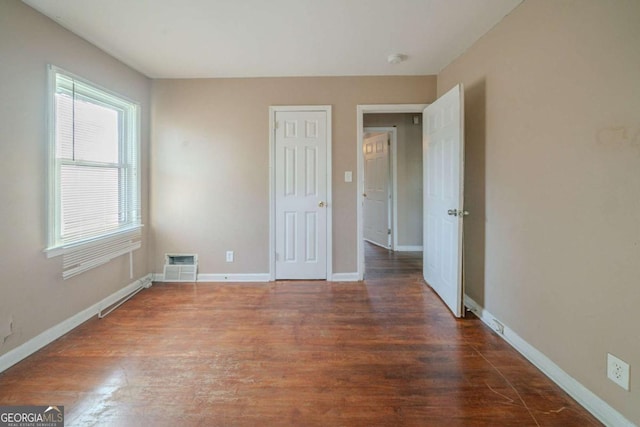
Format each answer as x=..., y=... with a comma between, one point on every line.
x=277, y=124
x=389, y=231
x=389, y=142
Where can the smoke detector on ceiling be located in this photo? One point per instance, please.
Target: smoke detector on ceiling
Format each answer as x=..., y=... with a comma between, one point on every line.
x=396, y=58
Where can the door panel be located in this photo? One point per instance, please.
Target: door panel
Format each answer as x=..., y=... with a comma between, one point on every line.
x=443, y=149
x=376, y=189
x=311, y=175
x=311, y=230
x=300, y=195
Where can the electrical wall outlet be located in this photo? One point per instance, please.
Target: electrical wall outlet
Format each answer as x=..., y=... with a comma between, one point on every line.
x=229, y=256
x=498, y=327
x=618, y=371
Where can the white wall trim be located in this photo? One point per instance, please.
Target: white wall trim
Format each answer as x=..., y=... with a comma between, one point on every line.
x=345, y=277
x=361, y=110
x=36, y=343
x=272, y=180
x=221, y=277
x=406, y=248
x=585, y=397
x=261, y=277
x=254, y=277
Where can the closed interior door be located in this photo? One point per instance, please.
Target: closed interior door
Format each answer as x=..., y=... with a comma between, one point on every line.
x=301, y=194
x=376, y=189
x=443, y=150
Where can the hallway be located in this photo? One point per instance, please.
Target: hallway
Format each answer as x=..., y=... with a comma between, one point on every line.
x=381, y=263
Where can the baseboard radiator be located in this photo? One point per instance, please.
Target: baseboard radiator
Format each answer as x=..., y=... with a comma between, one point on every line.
x=143, y=284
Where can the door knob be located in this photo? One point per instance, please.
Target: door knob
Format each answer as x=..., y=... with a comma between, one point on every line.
x=364, y=194
x=457, y=212
x=321, y=205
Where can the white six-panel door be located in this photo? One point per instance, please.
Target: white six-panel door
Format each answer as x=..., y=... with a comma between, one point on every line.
x=301, y=194
x=443, y=151
x=376, y=189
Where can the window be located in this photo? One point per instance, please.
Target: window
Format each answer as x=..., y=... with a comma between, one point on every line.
x=94, y=191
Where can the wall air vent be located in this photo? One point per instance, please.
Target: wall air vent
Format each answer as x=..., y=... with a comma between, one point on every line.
x=180, y=267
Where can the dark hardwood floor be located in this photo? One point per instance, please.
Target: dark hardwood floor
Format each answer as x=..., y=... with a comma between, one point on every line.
x=383, y=352
x=381, y=263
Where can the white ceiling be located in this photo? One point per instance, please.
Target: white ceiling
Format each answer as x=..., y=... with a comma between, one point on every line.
x=260, y=38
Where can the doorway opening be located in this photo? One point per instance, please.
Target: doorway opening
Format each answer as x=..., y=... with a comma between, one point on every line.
x=384, y=264
x=402, y=127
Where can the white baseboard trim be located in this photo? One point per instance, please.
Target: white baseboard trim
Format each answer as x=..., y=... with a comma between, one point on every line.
x=215, y=278
x=409, y=248
x=585, y=397
x=204, y=278
x=36, y=343
x=344, y=277
x=259, y=277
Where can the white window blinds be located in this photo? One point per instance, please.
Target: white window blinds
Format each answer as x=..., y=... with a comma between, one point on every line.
x=79, y=259
x=94, y=190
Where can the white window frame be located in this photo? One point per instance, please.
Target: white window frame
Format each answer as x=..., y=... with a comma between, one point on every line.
x=55, y=245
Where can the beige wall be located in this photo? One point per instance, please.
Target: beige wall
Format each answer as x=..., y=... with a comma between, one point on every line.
x=210, y=162
x=553, y=182
x=32, y=289
x=409, y=164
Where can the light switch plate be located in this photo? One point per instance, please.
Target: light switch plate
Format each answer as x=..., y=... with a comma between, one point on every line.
x=348, y=176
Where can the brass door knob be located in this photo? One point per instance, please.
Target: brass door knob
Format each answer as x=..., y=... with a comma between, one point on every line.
x=321, y=205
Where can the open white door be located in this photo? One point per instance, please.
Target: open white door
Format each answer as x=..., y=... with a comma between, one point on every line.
x=443, y=151
x=376, y=189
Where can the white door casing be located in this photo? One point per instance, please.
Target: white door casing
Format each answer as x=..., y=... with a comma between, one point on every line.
x=443, y=151
x=301, y=194
x=376, y=189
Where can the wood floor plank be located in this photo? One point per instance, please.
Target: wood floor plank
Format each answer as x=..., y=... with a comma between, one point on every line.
x=383, y=352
